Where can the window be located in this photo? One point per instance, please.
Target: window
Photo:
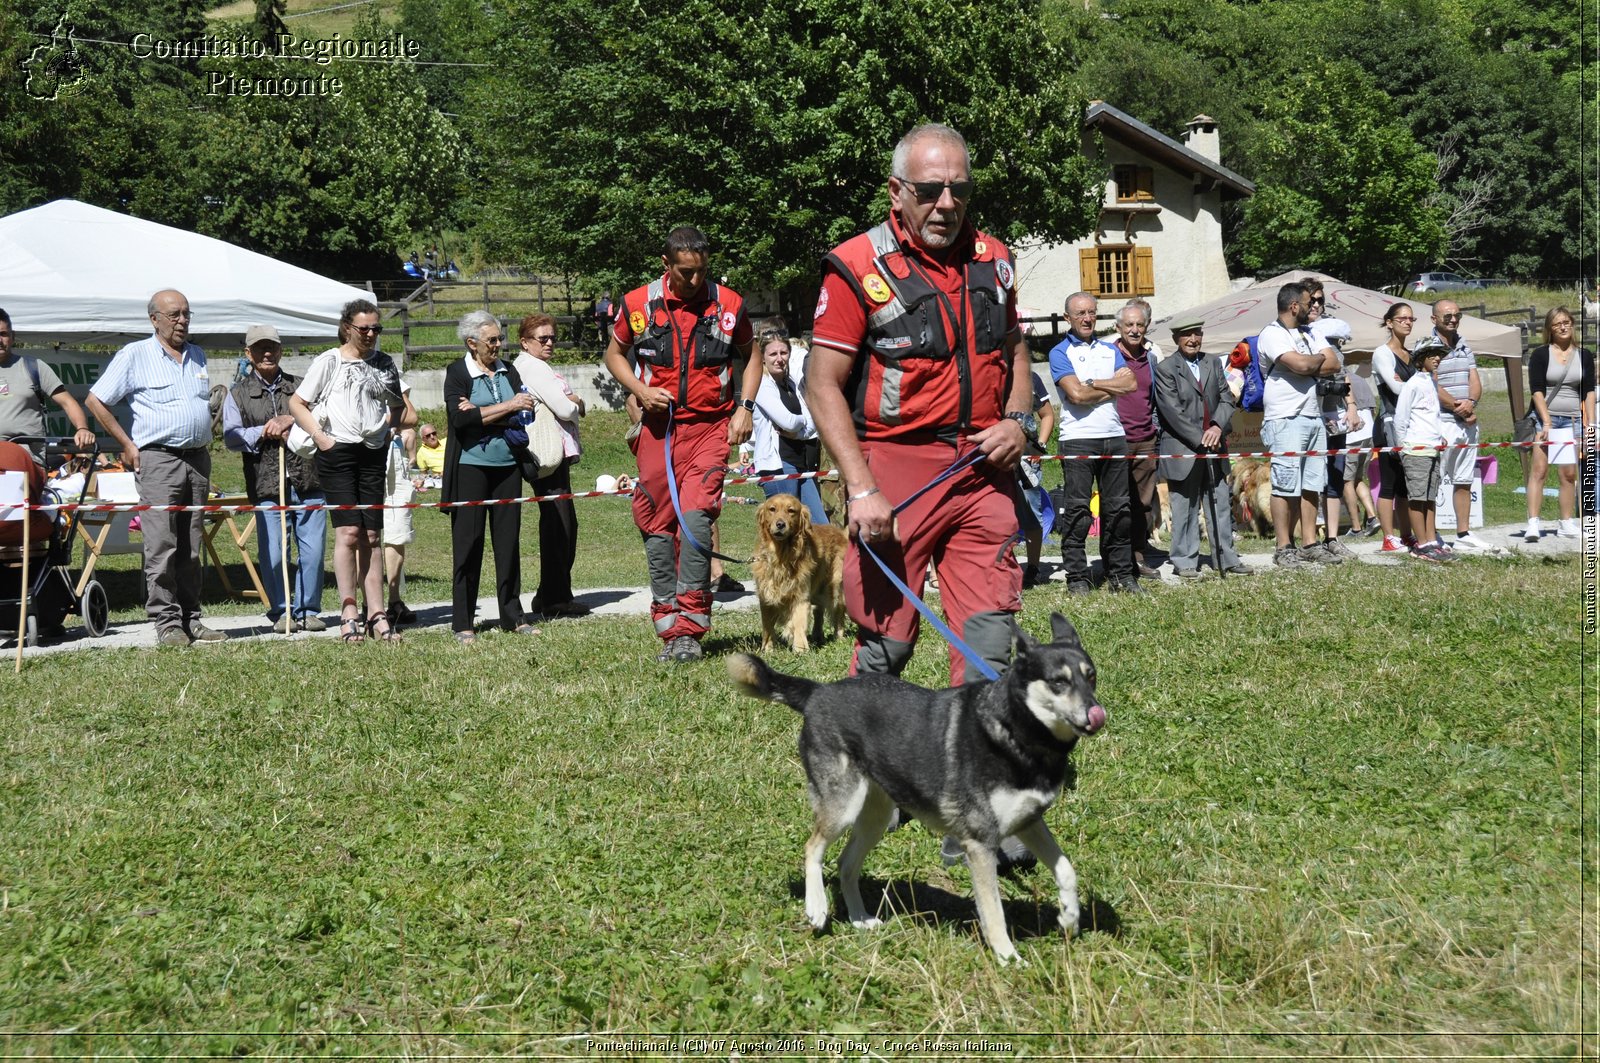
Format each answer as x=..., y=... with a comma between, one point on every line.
x=1111, y=270
x=1135, y=184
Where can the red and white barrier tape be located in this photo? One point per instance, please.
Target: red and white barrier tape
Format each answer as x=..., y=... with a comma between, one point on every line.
x=140, y=507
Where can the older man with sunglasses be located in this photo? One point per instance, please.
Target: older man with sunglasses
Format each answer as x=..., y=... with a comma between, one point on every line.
x=917, y=360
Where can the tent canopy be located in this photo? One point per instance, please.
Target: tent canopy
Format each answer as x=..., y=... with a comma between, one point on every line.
x=1232, y=317
x=72, y=273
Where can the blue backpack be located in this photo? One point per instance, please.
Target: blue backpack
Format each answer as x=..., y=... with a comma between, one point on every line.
x=1252, y=398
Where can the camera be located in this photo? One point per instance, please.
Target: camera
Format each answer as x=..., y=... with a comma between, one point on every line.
x=1333, y=385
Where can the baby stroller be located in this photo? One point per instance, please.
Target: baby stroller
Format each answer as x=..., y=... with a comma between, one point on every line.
x=51, y=592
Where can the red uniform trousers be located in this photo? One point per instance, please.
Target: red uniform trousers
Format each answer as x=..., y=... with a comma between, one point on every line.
x=965, y=526
x=699, y=462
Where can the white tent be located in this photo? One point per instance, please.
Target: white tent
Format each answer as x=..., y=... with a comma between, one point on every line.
x=73, y=273
x=1232, y=317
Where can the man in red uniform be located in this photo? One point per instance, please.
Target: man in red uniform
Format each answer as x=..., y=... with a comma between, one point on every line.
x=673, y=347
x=917, y=358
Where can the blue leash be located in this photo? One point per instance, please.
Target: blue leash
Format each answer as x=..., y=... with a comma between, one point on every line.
x=677, y=506
x=921, y=606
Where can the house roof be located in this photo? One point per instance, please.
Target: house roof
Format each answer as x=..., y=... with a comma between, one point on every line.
x=1135, y=134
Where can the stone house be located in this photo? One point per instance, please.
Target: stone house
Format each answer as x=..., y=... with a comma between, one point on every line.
x=1160, y=229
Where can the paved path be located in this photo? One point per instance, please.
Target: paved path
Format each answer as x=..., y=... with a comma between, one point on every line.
x=635, y=601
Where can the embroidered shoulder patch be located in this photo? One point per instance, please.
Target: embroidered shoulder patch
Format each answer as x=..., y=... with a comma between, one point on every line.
x=1002, y=271
x=729, y=320
x=822, y=304
x=636, y=321
x=877, y=290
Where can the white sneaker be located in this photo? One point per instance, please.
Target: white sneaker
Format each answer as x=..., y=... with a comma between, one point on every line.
x=1533, y=531
x=1467, y=543
x=1568, y=529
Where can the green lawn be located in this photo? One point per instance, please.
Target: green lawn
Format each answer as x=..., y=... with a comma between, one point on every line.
x=1333, y=813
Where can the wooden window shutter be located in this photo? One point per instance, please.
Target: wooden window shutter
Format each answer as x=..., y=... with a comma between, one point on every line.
x=1089, y=269
x=1145, y=181
x=1144, y=271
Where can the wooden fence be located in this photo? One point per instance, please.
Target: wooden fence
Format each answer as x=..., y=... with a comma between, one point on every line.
x=440, y=304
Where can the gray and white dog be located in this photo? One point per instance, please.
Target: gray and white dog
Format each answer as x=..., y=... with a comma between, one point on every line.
x=979, y=762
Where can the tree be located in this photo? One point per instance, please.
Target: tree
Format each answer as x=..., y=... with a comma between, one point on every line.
x=769, y=126
x=1341, y=184
x=269, y=20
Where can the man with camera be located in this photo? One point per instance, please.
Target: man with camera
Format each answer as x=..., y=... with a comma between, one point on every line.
x=1292, y=428
x=1459, y=392
x=1338, y=408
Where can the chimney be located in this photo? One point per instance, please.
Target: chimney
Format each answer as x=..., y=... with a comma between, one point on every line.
x=1201, y=138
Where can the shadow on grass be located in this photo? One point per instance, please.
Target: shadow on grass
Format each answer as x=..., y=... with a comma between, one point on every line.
x=931, y=905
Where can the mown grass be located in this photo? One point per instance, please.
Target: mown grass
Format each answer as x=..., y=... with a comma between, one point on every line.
x=1339, y=813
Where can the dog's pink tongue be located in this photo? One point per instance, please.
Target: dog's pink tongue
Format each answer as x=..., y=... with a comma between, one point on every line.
x=1097, y=718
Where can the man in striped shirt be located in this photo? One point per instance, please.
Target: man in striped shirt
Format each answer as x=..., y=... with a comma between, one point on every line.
x=168, y=389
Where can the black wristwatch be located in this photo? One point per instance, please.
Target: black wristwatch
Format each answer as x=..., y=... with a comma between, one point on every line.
x=1029, y=423
x=748, y=404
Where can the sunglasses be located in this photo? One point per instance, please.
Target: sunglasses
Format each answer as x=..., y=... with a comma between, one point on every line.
x=1449, y=317
x=543, y=339
x=930, y=191
x=368, y=330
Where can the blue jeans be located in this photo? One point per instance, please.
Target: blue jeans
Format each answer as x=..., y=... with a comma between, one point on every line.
x=806, y=489
x=310, y=531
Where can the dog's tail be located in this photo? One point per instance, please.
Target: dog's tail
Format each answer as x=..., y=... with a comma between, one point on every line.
x=755, y=678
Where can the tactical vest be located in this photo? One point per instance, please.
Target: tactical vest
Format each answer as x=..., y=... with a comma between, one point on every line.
x=701, y=381
x=258, y=404
x=913, y=383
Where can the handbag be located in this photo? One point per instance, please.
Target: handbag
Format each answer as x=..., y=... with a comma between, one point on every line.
x=535, y=439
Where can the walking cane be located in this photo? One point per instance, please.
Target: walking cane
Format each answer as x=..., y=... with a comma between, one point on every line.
x=1211, y=514
x=22, y=610
x=283, y=535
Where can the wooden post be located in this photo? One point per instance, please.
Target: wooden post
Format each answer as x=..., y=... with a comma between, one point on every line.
x=27, y=549
x=539, y=281
x=283, y=538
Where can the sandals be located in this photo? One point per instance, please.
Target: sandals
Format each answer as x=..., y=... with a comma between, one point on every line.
x=350, y=626
x=388, y=634
x=467, y=638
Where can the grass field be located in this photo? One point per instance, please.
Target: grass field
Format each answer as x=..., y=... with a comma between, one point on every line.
x=1344, y=813
x=1334, y=814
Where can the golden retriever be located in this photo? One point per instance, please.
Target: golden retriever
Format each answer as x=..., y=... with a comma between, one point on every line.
x=1252, y=495
x=797, y=565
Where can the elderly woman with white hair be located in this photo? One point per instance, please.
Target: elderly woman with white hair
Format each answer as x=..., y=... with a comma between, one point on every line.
x=482, y=395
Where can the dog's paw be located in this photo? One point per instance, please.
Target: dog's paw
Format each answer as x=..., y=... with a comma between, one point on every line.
x=1068, y=919
x=867, y=922
x=1011, y=959
x=817, y=917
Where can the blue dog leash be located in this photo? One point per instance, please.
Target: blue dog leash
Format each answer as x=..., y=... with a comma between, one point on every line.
x=677, y=506
x=971, y=459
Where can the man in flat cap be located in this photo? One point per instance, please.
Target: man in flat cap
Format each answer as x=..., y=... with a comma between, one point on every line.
x=1195, y=407
x=256, y=422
